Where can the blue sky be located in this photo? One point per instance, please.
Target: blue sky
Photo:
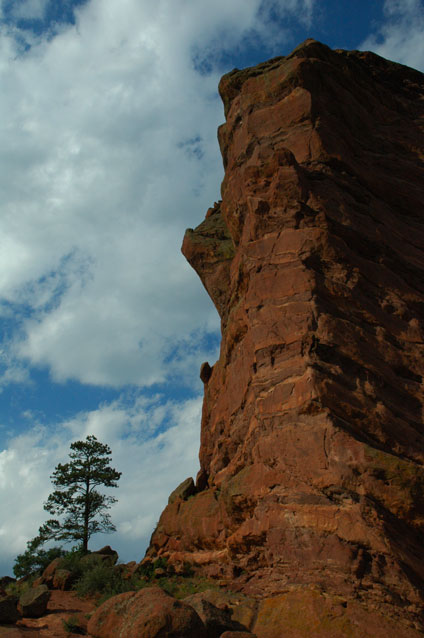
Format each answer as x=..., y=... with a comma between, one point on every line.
x=108, y=118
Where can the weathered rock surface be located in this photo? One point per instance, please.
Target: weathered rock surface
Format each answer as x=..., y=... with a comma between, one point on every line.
x=63, y=579
x=104, y=555
x=48, y=575
x=312, y=443
x=61, y=607
x=216, y=619
x=183, y=491
x=14, y=632
x=148, y=613
x=33, y=602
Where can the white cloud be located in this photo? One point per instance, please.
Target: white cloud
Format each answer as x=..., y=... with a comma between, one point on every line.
x=153, y=444
x=100, y=181
x=401, y=37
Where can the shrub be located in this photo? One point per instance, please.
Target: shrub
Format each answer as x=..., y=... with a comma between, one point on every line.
x=73, y=563
x=72, y=625
x=182, y=586
x=104, y=579
x=19, y=587
x=148, y=569
x=34, y=560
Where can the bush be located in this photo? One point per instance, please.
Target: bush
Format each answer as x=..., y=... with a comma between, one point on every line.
x=182, y=586
x=148, y=569
x=73, y=563
x=73, y=626
x=104, y=579
x=34, y=560
x=19, y=587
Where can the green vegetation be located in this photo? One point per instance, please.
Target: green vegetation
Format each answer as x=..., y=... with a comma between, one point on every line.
x=103, y=580
x=19, y=587
x=96, y=576
x=73, y=626
x=182, y=586
x=35, y=559
x=77, y=496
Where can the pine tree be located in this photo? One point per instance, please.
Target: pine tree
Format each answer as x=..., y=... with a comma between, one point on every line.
x=77, y=496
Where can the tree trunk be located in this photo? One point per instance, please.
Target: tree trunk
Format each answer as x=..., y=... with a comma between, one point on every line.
x=86, y=518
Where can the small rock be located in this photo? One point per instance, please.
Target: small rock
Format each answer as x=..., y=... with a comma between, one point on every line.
x=160, y=572
x=33, y=602
x=205, y=372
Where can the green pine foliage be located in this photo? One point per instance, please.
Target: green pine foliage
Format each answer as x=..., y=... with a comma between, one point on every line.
x=35, y=559
x=77, y=497
x=78, y=500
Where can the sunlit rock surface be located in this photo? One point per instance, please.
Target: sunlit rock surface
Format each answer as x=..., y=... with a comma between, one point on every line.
x=310, y=493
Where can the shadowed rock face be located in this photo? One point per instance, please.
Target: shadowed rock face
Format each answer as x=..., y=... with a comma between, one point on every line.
x=312, y=431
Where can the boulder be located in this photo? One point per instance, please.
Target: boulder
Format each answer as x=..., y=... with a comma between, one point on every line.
x=205, y=372
x=104, y=555
x=8, y=610
x=148, y=613
x=63, y=579
x=47, y=576
x=106, y=551
x=183, y=491
x=33, y=602
x=216, y=619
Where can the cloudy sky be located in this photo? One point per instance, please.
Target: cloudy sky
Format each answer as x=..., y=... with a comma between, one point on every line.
x=108, y=151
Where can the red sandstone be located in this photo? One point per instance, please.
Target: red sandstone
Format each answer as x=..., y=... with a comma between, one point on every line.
x=310, y=493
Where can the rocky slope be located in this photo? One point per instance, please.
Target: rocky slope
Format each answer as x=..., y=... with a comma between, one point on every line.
x=310, y=491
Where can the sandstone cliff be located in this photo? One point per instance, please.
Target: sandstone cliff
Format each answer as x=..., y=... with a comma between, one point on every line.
x=310, y=491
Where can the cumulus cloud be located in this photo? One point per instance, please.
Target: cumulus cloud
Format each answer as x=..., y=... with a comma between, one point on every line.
x=401, y=36
x=154, y=444
x=108, y=152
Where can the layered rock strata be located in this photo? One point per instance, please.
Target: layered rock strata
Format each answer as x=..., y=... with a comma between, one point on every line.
x=312, y=446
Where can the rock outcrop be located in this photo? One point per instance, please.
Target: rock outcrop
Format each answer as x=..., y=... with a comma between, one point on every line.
x=310, y=492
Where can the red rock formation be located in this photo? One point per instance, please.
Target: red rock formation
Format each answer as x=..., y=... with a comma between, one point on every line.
x=311, y=455
x=148, y=613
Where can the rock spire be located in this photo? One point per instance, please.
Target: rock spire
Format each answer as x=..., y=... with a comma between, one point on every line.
x=310, y=491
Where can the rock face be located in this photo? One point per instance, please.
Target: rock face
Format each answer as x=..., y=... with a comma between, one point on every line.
x=312, y=443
